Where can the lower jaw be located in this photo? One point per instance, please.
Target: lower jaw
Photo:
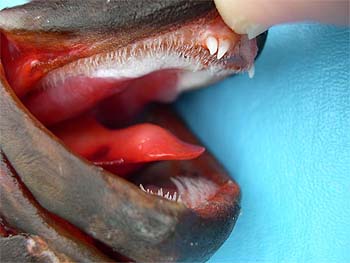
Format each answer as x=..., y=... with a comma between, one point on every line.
x=212, y=210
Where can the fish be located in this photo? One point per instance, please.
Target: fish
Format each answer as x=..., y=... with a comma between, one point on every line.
x=92, y=155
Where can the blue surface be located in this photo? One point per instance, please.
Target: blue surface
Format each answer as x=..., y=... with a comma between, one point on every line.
x=9, y=3
x=285, y=137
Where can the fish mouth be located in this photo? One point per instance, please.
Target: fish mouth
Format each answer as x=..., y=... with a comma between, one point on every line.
x=91, y=103
x=103, y=107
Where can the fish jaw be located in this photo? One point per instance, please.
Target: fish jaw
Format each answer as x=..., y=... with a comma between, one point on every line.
x=194, y=50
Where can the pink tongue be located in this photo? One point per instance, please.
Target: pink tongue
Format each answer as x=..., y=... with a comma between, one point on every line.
x=125, y=147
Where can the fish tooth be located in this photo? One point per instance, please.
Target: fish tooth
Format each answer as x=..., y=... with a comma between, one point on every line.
x=251, y=71
x=142, y=188
x=212, y=45
x=224, y=46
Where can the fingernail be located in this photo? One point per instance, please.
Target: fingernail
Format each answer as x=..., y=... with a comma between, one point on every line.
x=254, y=30
x=242, y=25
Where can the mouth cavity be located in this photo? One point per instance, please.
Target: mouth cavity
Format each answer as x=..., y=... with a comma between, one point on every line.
x=98, y=105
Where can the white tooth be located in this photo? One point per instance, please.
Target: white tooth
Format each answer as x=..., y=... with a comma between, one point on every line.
x=251, y=71
x=212, y=45
x=142, y=188
x=224, y=46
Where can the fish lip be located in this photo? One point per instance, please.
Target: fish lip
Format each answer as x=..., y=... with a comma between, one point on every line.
x=171, y=237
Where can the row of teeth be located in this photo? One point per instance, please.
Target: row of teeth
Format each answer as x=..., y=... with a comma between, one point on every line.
x=172, y=197
x=218, y=47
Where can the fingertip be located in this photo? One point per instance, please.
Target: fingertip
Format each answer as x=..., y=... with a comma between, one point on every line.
x=242, y=16
x=254, y=17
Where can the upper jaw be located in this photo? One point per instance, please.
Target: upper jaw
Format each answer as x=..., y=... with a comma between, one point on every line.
x=203, y=51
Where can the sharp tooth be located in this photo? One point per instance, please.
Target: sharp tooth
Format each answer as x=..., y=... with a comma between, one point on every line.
x=212, y=45
x=142, y=188
x=251, y=71
x=224, y=46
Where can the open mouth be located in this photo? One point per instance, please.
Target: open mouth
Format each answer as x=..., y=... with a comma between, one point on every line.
x=91, y=102
x=107, y=107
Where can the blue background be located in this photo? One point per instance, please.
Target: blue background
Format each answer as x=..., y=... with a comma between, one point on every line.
x=285, y=137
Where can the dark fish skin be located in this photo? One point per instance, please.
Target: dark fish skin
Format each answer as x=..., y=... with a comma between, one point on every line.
x=106, y=207
x=100, y=25
x=28, y=248
x=16, y=202
x=103, y=15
